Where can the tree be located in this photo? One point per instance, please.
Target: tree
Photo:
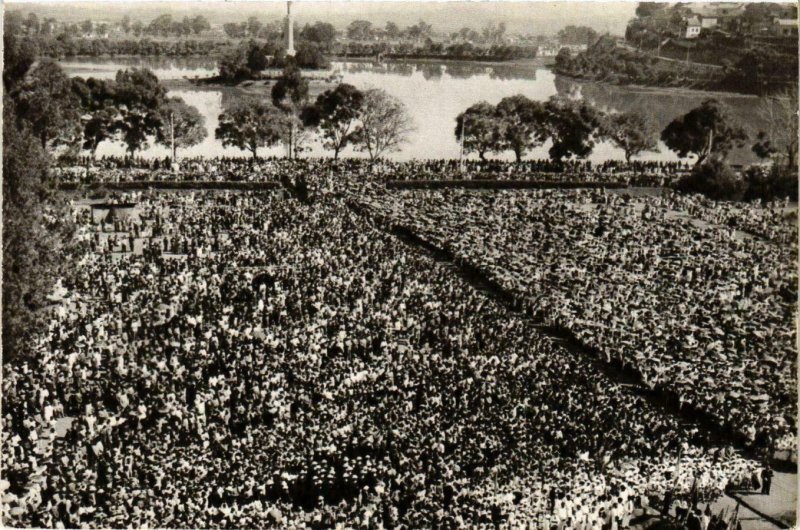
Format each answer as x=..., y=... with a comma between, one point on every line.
x=46, y=102
x=523, y=124
x=310, y=56
x=253, y=26
x=234, y=30
x=482, y=129
x=98, y=127
x=291, y=88
x=18, y=56
x=36, y=235
x=577, y=35
x=186, y=26
x=714, y=179
x=290, y=94
x=321, y=33
x=137, y=28
x=336, y=114
x=32, y=24
x=630, y=132
x=385, y=124
x=86, y=27
x=493, y=32
x=468, y=34
x=359, y=30
x=97, y=102
x=573, y=127
x=200, y=24
x=249, y=125
x=392, y=30
x=183, y=125
x=420, y=30
x=126, y=24
x=647, y=9
x=779, y=140
x=233, y=65
x=704, y=131
x=138, y=96
x=161, y=25
x=256, y=58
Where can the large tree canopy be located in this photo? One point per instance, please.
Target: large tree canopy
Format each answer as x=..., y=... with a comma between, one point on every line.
x=183, y=125
x=46, y=102
x=249, y=125
x=704, y=131
x=37, y=228
x=385, y=124
x=524, y=124
x=778, y=140
x=335, y=113
x=138, y=96
x=481, y=127
x=630, y=132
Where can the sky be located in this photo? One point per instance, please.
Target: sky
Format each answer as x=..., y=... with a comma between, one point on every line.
x=534, y=17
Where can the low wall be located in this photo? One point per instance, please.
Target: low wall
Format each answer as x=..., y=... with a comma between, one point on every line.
x=487, y=184
x=171, y=185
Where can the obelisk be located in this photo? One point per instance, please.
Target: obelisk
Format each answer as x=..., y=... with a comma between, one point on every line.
x=289, y=30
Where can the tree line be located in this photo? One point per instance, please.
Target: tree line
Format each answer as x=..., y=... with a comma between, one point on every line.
x=573, y=127
x=250, y=58
x=372, y=121
x=519, y=124
x=315, y=40
x=38, y=232
x=708, y=133
x=75, y=113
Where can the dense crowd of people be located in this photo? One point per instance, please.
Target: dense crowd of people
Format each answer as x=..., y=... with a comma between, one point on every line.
x=244, y=359
x=702, y=311
x=128, y=169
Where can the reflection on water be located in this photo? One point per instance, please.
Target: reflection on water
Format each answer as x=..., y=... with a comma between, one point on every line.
x=164, y=67
x=435, y=93
x=435, y=70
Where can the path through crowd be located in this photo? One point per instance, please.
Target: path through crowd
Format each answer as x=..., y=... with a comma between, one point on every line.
x=776, y=510
x=756, y=511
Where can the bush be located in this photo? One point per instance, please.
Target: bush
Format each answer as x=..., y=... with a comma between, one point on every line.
x=714, y=179
x=769, y=184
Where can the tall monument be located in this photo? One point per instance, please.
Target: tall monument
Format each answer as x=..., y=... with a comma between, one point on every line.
x=289, y=32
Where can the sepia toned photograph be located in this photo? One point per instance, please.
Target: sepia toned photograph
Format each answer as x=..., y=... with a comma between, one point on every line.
x=399, y=265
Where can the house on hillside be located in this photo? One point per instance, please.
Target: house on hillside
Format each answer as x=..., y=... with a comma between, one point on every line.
x=692, y=27
x=784, y=27
x=725, y=16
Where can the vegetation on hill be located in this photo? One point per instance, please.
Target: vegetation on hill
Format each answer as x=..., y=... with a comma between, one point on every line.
x=738, y=52
x=755, y=71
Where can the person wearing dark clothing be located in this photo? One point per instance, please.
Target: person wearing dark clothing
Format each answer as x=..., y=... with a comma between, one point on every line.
x=766, y=480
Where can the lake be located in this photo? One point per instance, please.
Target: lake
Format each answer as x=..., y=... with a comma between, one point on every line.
x=434, y=92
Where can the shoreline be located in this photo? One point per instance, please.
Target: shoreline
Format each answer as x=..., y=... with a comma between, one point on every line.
x=665, y=90
x=322, y=76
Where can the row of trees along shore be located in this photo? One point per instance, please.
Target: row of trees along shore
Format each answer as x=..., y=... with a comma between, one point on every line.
x=192, y=36
x=371, y=121
x=133, y=109
x=707, y=133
